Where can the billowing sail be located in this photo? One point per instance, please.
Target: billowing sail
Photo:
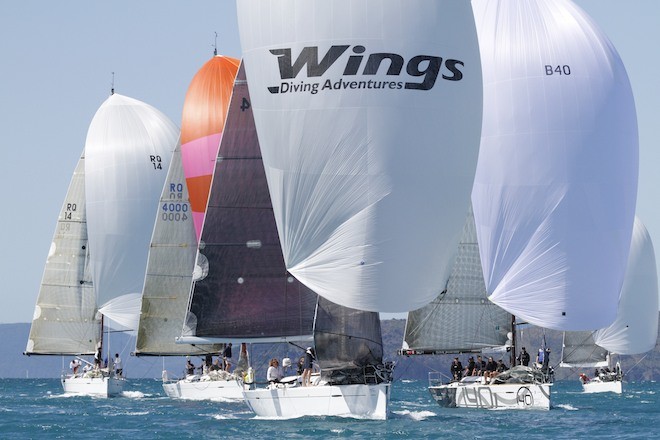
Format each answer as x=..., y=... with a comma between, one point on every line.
x=64, y=317
x=635, y=328
x=169, y=271
x=204, y=112
x=460, y=319
x=128, y=150
x=369, y=116
x=244, y=292
x=556, y=183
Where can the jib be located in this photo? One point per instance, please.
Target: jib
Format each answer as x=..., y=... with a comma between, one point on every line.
x=309, y=57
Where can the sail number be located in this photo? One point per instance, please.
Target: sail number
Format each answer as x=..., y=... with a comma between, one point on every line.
x=70, y=208
x=245, y=104
x=174, y=212
x=557, y=70
x=156, y=161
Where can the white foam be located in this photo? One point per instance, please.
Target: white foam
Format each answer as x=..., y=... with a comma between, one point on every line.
x=416, y=415
x=133, y=394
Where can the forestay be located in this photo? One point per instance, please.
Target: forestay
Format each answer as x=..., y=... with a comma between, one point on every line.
x=128, y=150
x=368, y=115
x=556, y=183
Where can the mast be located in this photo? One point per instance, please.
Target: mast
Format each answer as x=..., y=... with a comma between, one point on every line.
x=513, y=340
x=99, y=349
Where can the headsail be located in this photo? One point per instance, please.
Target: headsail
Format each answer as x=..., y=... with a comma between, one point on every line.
x=246, y=293
x=368, y=118
x=461, y=318
x=204, y=112
x=128, y=150
x=556, y=183
x=64, y=319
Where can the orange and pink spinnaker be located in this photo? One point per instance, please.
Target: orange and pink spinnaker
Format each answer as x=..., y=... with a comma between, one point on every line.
x=203, y=119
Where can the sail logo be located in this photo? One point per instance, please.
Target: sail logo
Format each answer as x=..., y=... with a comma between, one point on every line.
x=422, y=70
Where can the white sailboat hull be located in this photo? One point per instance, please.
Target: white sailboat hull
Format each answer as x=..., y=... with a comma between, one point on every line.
x=104, y=386
x=204, y=389
x=489, y=396
x=360, y=400
x=599, y=386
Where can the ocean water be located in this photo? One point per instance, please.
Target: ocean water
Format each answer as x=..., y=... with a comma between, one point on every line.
x=37, y=408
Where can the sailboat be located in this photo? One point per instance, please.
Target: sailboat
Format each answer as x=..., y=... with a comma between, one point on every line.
x=369, y=120
x=96, y=262
x=556, y=182
x=552, y=254
x=167, y=290
x=245, y=293
x=633, y=332
x=173, y=253
x=462, y=320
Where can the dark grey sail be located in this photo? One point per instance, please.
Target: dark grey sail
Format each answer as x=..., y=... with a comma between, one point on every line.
x=348, y=342
x=245, y=293
x=461, y=319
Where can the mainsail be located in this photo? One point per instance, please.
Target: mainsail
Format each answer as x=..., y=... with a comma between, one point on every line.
x=64, y=319
x=346, y=338
x=169, y=271
x=461, y=319
x=245, y=292
x=204, y=112
x=128, y=150
x=369, y=117
x=580, y=350
x=556, y=182
x=635, y=328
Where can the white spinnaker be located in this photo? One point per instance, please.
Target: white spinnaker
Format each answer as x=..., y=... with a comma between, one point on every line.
x=369, y=164
x=556, y=183
x=128, y=150
x=635, y=328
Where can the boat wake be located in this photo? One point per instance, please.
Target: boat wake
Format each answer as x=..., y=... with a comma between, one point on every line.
x=415, y=415
x=134, y=394
x=228, y=416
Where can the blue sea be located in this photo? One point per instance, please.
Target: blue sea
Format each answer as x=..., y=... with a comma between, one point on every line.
x=37, y=408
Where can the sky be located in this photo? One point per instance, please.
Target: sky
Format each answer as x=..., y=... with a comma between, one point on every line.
x=56, y=66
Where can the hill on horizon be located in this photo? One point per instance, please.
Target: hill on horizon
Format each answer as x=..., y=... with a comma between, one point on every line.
x=13, y=364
